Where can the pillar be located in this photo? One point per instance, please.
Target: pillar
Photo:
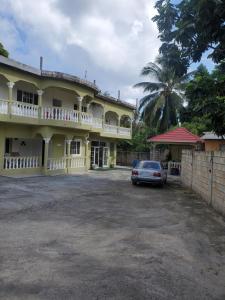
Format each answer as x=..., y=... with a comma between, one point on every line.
x=80, y=108
x=47, y=140
x=87, y=154
x=2, y=150
x=10, y=86
x=68, y=148
x=40, y=93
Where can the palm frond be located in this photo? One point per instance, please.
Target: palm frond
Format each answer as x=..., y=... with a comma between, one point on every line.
x=150, y=86
x=151, y=69
x=147, y=99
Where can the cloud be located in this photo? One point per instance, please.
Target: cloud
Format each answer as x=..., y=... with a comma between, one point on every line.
x=117, y=37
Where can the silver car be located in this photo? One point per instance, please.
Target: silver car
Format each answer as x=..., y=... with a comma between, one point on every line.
x=149, y=171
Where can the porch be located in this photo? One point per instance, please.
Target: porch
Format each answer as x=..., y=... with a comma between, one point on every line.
x=49, y=156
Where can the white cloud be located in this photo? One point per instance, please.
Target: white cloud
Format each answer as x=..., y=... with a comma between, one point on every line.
x=118, y=36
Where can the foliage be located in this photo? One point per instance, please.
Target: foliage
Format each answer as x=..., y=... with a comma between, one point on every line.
x=139, y=139
x=193, y=26
x=3, y=52
x=206, y=94
x=160, y=107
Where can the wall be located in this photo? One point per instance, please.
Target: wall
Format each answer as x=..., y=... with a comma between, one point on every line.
x=213, y=145
x=204, y=172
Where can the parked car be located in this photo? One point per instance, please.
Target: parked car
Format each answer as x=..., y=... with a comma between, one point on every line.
x=149, y=171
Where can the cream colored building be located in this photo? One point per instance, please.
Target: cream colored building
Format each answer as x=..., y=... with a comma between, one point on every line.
x=55, y=123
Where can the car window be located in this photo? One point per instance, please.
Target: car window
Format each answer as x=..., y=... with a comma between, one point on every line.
x=149, y=165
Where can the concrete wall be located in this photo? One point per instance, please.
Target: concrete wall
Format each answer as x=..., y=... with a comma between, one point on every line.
x=204, y=172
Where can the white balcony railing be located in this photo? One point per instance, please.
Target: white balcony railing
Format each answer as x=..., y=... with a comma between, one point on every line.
x=59, y=114
x=24, y=109
x=4, y=107
x=96, y=123
x=86, y=118
x=75, y=162
x=26, y=162
x=56, y=163
x=111, y=128
x=124, y=131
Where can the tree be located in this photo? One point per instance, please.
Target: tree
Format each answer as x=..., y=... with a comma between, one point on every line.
x=3, y=52
x=160, y=107
x=206, y=99
x=193, y=26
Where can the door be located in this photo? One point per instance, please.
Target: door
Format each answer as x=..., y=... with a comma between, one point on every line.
x=105, y=156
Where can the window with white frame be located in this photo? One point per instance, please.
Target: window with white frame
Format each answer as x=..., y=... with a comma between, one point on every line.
x=75, y=147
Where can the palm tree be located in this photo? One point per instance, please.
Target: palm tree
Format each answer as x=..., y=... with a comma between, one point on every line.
x=160, y=107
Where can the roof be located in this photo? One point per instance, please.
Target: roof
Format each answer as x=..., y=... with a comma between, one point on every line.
x=211, y=136
x=179, y=136
x=61, y=76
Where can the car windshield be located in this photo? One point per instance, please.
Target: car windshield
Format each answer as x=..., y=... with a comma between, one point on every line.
x=149, y=165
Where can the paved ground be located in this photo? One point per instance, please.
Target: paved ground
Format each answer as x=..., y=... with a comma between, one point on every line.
x=97, y=237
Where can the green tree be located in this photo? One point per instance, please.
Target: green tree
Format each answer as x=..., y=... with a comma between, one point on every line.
x=3, y=52
x=206, y=100
x=193, y=26
x=160, y=107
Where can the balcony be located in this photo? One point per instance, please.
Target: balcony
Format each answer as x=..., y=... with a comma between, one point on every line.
x=39, y=115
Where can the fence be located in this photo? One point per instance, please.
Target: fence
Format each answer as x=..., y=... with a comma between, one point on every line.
x=204, y=172
x=125, y=158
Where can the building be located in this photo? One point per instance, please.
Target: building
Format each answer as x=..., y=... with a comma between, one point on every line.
x=55, y=123
x=213, y=142
x=173, y=142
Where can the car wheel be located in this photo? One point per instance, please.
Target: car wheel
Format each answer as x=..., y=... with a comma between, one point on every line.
x=134, y=182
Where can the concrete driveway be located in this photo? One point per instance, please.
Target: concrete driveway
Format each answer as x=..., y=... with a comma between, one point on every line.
x=96, y=236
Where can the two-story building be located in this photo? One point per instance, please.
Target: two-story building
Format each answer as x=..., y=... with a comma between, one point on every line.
x=55, y=123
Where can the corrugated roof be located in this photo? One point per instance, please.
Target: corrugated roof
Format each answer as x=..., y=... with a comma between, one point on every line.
x=211, y=136
x=178, y=135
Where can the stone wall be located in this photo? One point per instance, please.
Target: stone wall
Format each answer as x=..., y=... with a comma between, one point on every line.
x=204, y=172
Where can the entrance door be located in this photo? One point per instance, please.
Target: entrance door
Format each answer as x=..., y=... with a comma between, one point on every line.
x=99, y=154
x=105, y=156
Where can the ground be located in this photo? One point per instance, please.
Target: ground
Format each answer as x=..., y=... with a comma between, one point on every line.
x=96, y=236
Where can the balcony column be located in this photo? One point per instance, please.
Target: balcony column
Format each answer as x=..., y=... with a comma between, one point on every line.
x=40, y=93
x=47, y=140
x=10, y=85
x=80, y=109
x=118, y=127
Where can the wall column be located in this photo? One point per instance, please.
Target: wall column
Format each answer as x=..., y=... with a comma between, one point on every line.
x=47, y=140
x=80, y=108
x=68, y=147
x=87, y=154
x=40, y=93
x=10, y=86
x=2, y=150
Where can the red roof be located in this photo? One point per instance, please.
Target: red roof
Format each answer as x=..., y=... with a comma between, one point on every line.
x=178, y=135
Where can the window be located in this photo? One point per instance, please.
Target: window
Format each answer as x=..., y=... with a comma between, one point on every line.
x=56, y=103
x=148, y=165
x=75, y=147
x=27, y=97
x=84, y=108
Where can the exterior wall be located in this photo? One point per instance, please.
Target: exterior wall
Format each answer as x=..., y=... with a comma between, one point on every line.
x=204, y=172
x=68, y=98
x=213, y=145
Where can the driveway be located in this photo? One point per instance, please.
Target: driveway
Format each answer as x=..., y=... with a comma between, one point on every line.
x=96, y=236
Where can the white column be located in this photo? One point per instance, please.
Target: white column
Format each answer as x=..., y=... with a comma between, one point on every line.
x=10, y=87
x=80, y=108
x=47, y=140
x=40, y=93
x=87, y=154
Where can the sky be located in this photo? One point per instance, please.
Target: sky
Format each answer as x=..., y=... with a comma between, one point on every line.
x=109, y=40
